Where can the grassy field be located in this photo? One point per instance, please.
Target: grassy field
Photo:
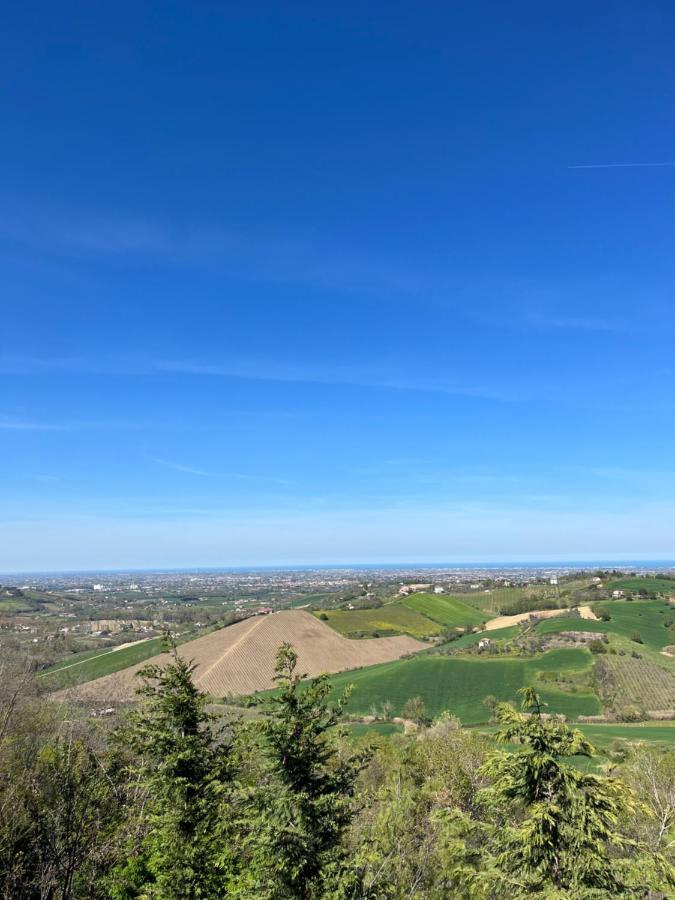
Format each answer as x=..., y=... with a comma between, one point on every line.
x=460, y=684
x=95, y=664
x=360, y=729
x=653, y=585
x=492, y=601
x=16, y=605
x=392, y=618
x=446, y=610
x=626, y=617
x=603, y=736
x=468, y=640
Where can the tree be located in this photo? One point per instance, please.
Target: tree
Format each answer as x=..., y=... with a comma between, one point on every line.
x=651, y=773
x=183, y=766
x=490, y=703
x=415, y=710
x=565, y=836
x=303, y=801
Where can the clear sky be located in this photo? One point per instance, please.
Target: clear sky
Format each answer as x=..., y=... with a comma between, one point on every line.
x=304, y=282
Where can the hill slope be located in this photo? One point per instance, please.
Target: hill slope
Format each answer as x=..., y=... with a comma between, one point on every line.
x=240, y=659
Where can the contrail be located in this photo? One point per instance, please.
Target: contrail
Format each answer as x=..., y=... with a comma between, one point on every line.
x=623, y=165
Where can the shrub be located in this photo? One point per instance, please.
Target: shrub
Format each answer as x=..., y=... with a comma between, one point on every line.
x=637, y=637
x=630, y=713
x=597, y=647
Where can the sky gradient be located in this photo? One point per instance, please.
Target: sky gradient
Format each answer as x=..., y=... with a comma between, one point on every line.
x=370, y=283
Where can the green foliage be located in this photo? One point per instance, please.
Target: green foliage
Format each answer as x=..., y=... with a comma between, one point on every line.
x=299, y=811
x=567, y=837
x=183, y=767
x=282, y=806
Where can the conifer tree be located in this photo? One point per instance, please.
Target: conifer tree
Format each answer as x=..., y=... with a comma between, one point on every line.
x=184, y=768
x=562, y=833
x=304, y=800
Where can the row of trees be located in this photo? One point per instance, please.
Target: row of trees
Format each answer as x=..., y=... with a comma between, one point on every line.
x=173, y=804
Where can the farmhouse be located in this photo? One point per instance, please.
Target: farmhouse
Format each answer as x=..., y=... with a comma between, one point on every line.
x=484, y=643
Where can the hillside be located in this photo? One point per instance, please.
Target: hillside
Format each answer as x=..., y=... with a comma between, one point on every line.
x=459, y=685
x=240, y=659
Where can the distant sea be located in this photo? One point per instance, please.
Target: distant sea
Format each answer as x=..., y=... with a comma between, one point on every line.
x=531, y=565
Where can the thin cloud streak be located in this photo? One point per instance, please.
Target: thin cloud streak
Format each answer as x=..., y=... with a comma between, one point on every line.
x=262, y=371
x=647, y=165
x=179, y=467
x=239, y=476
x=8, y=423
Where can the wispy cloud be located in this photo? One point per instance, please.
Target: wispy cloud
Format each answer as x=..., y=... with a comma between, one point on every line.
x=295, y=257
x=9, y=423
x=578, y=323
x=237, y=476
x=376, y=377
x=637, y=165
x=180, y=467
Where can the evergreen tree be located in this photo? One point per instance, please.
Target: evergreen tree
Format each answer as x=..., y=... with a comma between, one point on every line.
x=562, y=831
x=183, y=765
x=304, y=799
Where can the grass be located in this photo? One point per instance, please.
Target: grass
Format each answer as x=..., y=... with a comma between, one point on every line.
x=16, y=605
x=497, y=599
x=392, y=618
x=446, y=610
x=468, y=640
x=626, y=617
x=653, y=585
x=602, y=736
x=361, y=729
x=96, y=664
x=460, y=684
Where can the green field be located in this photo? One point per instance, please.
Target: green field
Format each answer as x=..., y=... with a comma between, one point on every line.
x=602, y=736
x=495, y=599
x=468, y=640
x=626, y=617
x=16, y=605
x=392, y=618
x=460, y=684
x=360, y=729
x=95, y=664
x=446, y=610
x=653, y=585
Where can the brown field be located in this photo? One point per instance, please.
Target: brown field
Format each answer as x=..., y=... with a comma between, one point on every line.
x=240, y=659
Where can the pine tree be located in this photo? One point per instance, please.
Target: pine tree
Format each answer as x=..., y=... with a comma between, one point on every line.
x=565, y=835
x=183, y=766
x=304, y=800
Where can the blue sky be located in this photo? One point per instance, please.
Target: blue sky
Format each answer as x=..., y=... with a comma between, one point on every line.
x=291, y=283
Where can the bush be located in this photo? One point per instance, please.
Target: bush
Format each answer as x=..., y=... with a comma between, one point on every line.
x=597, y=647
x=637, y=637
x=631, y=713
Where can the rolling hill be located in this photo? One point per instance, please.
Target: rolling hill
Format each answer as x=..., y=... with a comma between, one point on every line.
x=240, y=659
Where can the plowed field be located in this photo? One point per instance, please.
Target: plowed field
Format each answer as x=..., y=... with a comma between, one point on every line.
x=240, y=659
